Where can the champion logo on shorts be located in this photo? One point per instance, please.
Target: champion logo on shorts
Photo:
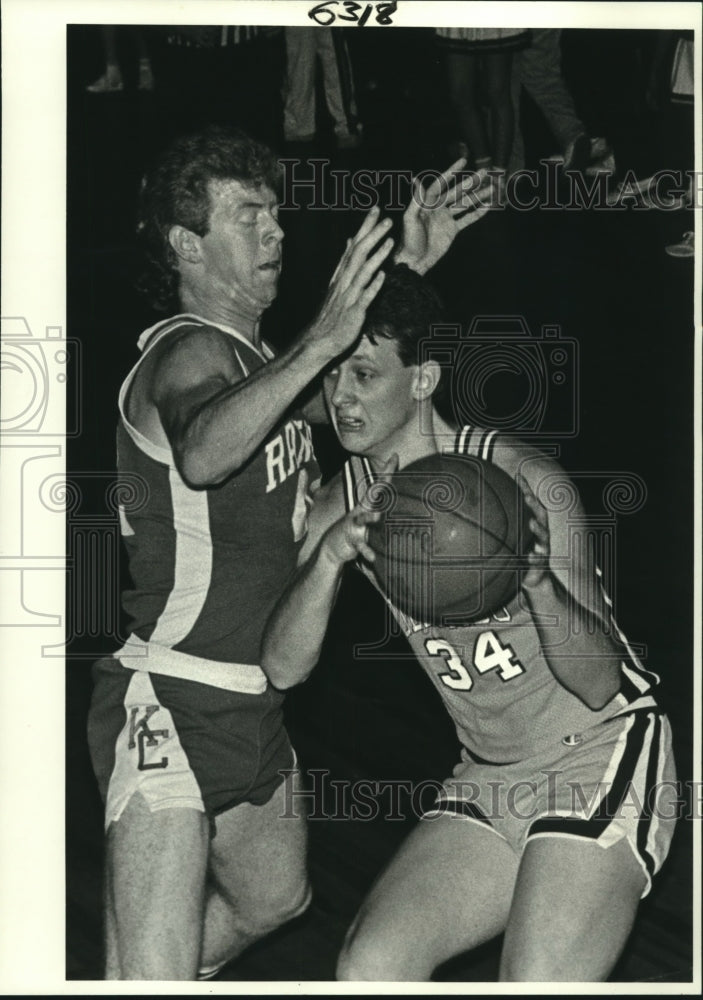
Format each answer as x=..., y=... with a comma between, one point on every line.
x=573, y=740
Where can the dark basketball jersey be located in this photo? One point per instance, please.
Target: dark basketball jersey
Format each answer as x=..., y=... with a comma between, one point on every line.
x=492, y=675
x=208, y=565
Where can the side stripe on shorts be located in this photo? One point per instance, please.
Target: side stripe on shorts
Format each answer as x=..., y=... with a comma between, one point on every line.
x=647, y=819
x=638, y=745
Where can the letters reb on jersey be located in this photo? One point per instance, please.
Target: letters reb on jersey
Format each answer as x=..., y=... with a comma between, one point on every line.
x=287, y=452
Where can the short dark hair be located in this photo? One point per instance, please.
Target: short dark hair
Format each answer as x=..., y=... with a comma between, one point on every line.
x=404, y=311
x=175, y=192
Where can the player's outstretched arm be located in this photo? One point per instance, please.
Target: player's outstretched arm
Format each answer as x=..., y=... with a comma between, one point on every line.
x=295, y=632
x=213, y=419
x=580, y=653
x=437, y=214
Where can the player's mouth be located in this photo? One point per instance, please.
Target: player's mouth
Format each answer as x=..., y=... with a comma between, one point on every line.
x=347, y=424
x=271, y=265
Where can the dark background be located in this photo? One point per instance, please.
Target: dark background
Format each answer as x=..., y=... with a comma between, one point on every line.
x=602, y=276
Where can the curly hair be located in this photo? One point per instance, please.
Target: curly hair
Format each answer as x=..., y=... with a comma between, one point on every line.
x=175, y=192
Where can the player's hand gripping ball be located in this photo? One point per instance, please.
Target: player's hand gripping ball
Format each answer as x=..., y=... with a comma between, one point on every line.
x=449, y=546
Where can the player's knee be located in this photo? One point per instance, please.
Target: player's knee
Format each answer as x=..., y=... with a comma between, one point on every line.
x=537, y=967
x=279, y=908
x=367, y=957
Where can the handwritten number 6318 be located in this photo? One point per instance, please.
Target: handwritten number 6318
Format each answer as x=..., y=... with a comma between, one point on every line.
x=359, y=14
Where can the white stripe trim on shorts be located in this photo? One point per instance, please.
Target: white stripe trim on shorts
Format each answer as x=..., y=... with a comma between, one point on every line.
x=151, y=658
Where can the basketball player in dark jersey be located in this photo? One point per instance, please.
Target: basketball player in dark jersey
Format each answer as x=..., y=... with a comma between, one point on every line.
x=561, y=807
x=185, y=731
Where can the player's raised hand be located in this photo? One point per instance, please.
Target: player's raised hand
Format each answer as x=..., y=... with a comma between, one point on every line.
x=353, y=287
x=538, y=555
x=438, y=213
x=347, y=538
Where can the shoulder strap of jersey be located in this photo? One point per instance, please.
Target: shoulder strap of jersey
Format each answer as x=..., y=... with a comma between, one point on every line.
x=150, y=337
x=356, y=476
x=477, y=441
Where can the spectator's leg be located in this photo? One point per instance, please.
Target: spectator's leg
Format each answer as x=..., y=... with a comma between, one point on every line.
x=111, y=80
x=540, y=72
x=338, y=81
x=496, y=74
x=299, y=107
x=461, y=72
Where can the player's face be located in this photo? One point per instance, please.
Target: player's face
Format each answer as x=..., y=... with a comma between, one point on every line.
x=241, y=252
x=371, y=400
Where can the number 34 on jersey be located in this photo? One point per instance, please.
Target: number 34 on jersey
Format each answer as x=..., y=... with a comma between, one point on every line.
x=489, y=654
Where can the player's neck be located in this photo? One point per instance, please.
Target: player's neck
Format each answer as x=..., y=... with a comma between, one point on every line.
x=410, y=443
x=244, y=320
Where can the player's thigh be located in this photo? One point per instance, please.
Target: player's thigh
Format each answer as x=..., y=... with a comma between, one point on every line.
x=573, y=909
x=447, y=889
x=155, y=871
x=258, y=858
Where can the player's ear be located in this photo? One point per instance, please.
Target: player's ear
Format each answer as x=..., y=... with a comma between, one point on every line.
x=185, y=244
x=426, y=380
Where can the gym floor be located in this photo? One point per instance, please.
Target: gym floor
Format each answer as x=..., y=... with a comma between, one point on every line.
x=601, y=276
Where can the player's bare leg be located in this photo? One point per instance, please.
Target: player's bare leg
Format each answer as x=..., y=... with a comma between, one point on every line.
x=574, y=907
x=155, y=878
x=257, y=876
x=448, y=889
x=112, y=964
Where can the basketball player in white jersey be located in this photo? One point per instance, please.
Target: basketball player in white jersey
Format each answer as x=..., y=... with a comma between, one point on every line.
x=561, y=807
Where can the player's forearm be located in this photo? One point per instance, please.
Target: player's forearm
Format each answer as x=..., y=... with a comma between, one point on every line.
x=296, y=630
x=228, y=429
x=582, y=657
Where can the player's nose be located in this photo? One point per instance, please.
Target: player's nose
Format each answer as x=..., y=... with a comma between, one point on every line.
x=272, y=230
x=341, y=391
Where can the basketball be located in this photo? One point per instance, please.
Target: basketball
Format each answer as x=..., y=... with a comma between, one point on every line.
x=449, y=541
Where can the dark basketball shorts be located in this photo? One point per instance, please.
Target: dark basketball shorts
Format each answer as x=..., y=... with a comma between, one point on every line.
x=614, y=780
x=183, y=744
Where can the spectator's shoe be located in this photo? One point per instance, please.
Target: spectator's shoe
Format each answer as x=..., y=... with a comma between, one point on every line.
x=349, y=140
x=602, y=158
x=585, y=155
x=307, y=137
x=109, y=83
x=146, y=76
x=677, y=201
x=683, y=249
x=577, y=154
